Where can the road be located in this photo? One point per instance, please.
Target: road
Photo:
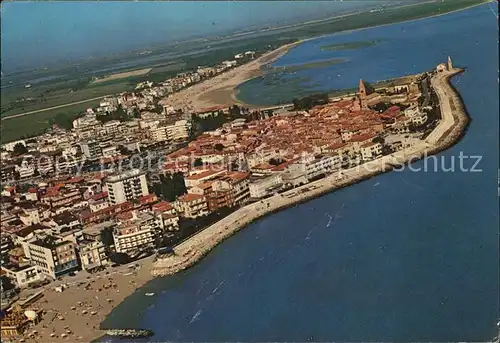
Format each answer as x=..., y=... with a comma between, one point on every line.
x=53, y=107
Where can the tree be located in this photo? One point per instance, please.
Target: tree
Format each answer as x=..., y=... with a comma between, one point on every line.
x=119, y=258
x=170, y=186
x=219, y=147
x=198, y=162
x=107, y=236
x=124, y=150
x=19, y=149
x=275, y=161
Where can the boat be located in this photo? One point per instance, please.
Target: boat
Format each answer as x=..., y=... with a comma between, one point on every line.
x=134, y=333
x=149, y=294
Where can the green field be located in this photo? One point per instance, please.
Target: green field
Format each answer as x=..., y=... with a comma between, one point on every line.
x=71, y=86
x=35, y=124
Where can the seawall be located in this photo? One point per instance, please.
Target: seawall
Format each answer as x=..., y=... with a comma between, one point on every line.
x=448, y=132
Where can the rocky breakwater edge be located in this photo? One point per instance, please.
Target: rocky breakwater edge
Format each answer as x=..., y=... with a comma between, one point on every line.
x=448, y=132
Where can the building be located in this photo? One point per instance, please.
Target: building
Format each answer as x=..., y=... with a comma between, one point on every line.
x=371, y=150
x=53, y=256
x=237, y=183
x=264, y=185
x=136, y=234
x=126, y=186
x=91, y=149
x=22, y=275
x=168, y=216
x=92, y=254
x=191, y=205
x=7, y=173
x=314, y=167
x=196, y=179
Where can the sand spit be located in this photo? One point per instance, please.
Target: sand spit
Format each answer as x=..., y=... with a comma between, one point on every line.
x=220, y=90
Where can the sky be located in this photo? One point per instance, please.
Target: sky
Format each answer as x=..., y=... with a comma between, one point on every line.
x=34, y=33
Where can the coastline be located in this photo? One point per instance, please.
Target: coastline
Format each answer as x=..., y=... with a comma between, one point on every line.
x=125, y=281
x=219, y=90
x=227, y=94
x=450, y=130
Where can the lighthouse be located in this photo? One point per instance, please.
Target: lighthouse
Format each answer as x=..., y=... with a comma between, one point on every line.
x=450, y=65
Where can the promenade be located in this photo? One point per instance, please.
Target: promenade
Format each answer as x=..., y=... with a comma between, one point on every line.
x=454, y=120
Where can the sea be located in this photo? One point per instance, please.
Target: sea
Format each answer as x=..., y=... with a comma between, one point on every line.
x=406, y=256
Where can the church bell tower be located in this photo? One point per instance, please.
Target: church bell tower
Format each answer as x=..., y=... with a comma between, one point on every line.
x=362, y=95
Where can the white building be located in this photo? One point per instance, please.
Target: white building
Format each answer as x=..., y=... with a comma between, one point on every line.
x=92, y=254
x=53, y=256
x=371, y=150
x=263, y=185
x=314, y=167
x=126, y=186
x=136, y=234
x=22, y=275
x=191, y=205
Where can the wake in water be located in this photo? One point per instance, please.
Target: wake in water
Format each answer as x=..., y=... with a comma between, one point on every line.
x=329, y=220
x=196, y=316
x=308, y=235
x=492, y=10
x=217, y=288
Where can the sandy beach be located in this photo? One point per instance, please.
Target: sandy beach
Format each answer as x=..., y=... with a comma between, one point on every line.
x=75, y=314
x=220, y=90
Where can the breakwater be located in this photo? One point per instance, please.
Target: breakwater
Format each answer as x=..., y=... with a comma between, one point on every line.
x=449, y=131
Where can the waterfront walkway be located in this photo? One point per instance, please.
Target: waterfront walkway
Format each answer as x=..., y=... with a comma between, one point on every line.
x=446, y=133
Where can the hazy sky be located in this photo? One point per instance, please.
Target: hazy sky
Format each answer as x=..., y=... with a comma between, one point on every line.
x=34, y=33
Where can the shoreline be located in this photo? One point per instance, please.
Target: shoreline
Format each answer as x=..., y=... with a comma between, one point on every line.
x=452, y=128
x=234, y=93
x=222, y=89
x=125, y=281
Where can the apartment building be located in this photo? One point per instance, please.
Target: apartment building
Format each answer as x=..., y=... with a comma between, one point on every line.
x=167, y=214
x=136, y=234
x=53, y=256
x=264, y=185
x=191, y=205
x=371, y=150
x=92, y=254
x=22, y=275
x=91, y=149
x=237, y=183
x=59, y=198
x=126, y=186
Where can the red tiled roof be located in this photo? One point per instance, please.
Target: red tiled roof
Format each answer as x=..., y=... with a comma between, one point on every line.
x=162, y=206
x=147, y=198
x=99, y=196
x=361, y=138
x=202, y=175
x=189, y=197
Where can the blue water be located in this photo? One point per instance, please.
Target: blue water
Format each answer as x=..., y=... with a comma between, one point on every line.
x=408, y=256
